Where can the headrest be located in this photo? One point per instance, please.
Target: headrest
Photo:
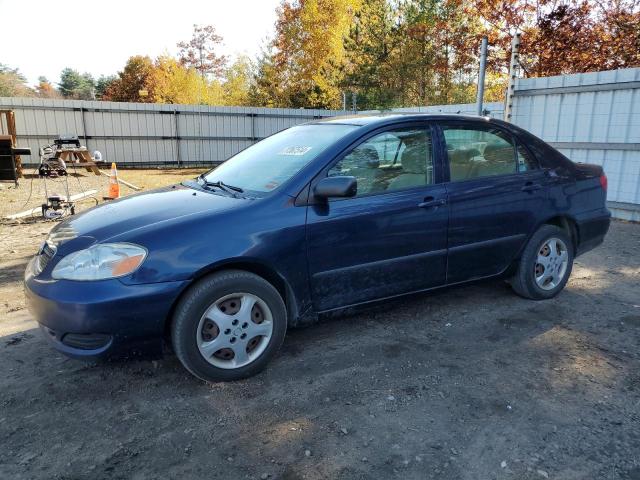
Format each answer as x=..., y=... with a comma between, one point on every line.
x=462, y=155
x=414, y=156
x=366, y=156
x=498, y=152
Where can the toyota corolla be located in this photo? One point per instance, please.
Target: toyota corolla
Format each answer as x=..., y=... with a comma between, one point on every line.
x=331, y=214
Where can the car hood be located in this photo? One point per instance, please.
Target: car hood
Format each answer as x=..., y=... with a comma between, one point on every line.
x=137, y=211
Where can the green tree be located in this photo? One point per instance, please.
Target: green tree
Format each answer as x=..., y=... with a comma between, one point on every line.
x=371, y=52
x=267, y=88
x=76, y=85
x=438, y=58
x=238, y=82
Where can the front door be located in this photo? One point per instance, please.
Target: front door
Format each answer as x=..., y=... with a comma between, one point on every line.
x=496, y=194
x=391, y=238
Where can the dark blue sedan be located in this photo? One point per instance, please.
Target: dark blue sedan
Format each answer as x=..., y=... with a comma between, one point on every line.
x=322, y=216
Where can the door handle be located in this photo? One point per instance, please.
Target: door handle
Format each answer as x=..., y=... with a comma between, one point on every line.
x=531, y=187
x=431, y=202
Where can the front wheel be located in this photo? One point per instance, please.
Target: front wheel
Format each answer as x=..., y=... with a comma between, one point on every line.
x=545, y=265
x=228, y=326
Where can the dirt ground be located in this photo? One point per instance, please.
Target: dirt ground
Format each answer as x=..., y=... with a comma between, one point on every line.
x=466, y=383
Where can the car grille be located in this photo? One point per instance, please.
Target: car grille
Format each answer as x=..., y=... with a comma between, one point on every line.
x=44, y=257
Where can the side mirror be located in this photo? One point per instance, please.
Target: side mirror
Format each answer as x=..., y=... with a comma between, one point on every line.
x=336, y=187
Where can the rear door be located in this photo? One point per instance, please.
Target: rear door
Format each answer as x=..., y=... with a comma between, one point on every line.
x=497, y=194
x=389, y=239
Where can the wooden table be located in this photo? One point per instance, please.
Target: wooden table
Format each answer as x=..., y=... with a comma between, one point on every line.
x=78, y=156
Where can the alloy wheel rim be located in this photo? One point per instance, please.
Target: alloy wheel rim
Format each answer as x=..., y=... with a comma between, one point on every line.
x=234, y=330
x=551, y=263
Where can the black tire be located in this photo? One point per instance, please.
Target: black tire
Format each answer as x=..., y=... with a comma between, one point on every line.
x=199, y=298
x=524, y=281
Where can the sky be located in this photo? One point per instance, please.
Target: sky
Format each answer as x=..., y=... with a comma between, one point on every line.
x=43, y=37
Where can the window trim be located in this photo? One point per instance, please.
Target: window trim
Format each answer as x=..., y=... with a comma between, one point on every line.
x=428, y=126
x=466, y=125
x=520, y=143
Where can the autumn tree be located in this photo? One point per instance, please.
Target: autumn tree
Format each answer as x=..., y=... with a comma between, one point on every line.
x=562, y=36
x=13, y=83
x=132, y=84
x=308, y=51
x=102, y=85
x=171, y=82
x=45, y=89
x=200, y=51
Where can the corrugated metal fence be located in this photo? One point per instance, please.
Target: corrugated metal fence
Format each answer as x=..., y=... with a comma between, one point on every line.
x=151, y=134
x=491, y=109
x=591, y=117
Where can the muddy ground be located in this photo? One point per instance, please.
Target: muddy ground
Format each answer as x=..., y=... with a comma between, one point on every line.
x=467, y=383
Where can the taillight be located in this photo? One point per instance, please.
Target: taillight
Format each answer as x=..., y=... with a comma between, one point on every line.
x=603, y=182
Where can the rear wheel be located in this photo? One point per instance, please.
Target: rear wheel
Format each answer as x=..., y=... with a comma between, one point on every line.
x=545, y=265
x=228, y=326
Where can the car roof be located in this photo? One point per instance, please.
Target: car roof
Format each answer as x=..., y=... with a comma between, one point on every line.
x=375, y=119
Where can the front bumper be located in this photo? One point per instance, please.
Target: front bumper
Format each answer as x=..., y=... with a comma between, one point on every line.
x=101, y=318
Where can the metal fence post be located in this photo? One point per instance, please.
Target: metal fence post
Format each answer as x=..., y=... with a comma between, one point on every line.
x=483, y=67
x=84, y=127
x=178, y=155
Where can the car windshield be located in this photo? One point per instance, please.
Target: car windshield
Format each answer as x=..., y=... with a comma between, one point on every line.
x=265, y=166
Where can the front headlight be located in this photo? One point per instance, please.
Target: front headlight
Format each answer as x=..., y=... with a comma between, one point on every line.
x=99, y=262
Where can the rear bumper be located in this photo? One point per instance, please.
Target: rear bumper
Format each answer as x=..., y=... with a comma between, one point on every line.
x=103, y=318
x=592, y=228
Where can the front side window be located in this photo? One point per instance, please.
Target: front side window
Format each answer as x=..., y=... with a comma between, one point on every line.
x=479, y=152
x=269, y=163
x=394, y=160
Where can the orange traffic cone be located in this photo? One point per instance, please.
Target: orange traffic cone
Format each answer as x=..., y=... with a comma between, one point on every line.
x=114, y=186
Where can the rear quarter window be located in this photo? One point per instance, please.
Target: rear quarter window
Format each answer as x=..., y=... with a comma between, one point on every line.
x=547, y=156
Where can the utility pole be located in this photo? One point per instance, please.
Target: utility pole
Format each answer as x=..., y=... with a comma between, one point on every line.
x=344, y=101
x=483, y=68
x=354, y=102
x=513, y=73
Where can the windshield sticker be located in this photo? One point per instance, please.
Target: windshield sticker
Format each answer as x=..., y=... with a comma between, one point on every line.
x=295, y=151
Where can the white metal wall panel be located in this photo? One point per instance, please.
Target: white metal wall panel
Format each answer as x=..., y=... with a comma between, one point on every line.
x=494, y=109
x=592, y=118
x=131, y=133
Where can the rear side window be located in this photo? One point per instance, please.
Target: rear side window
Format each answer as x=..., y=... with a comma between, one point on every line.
x=479, y=152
